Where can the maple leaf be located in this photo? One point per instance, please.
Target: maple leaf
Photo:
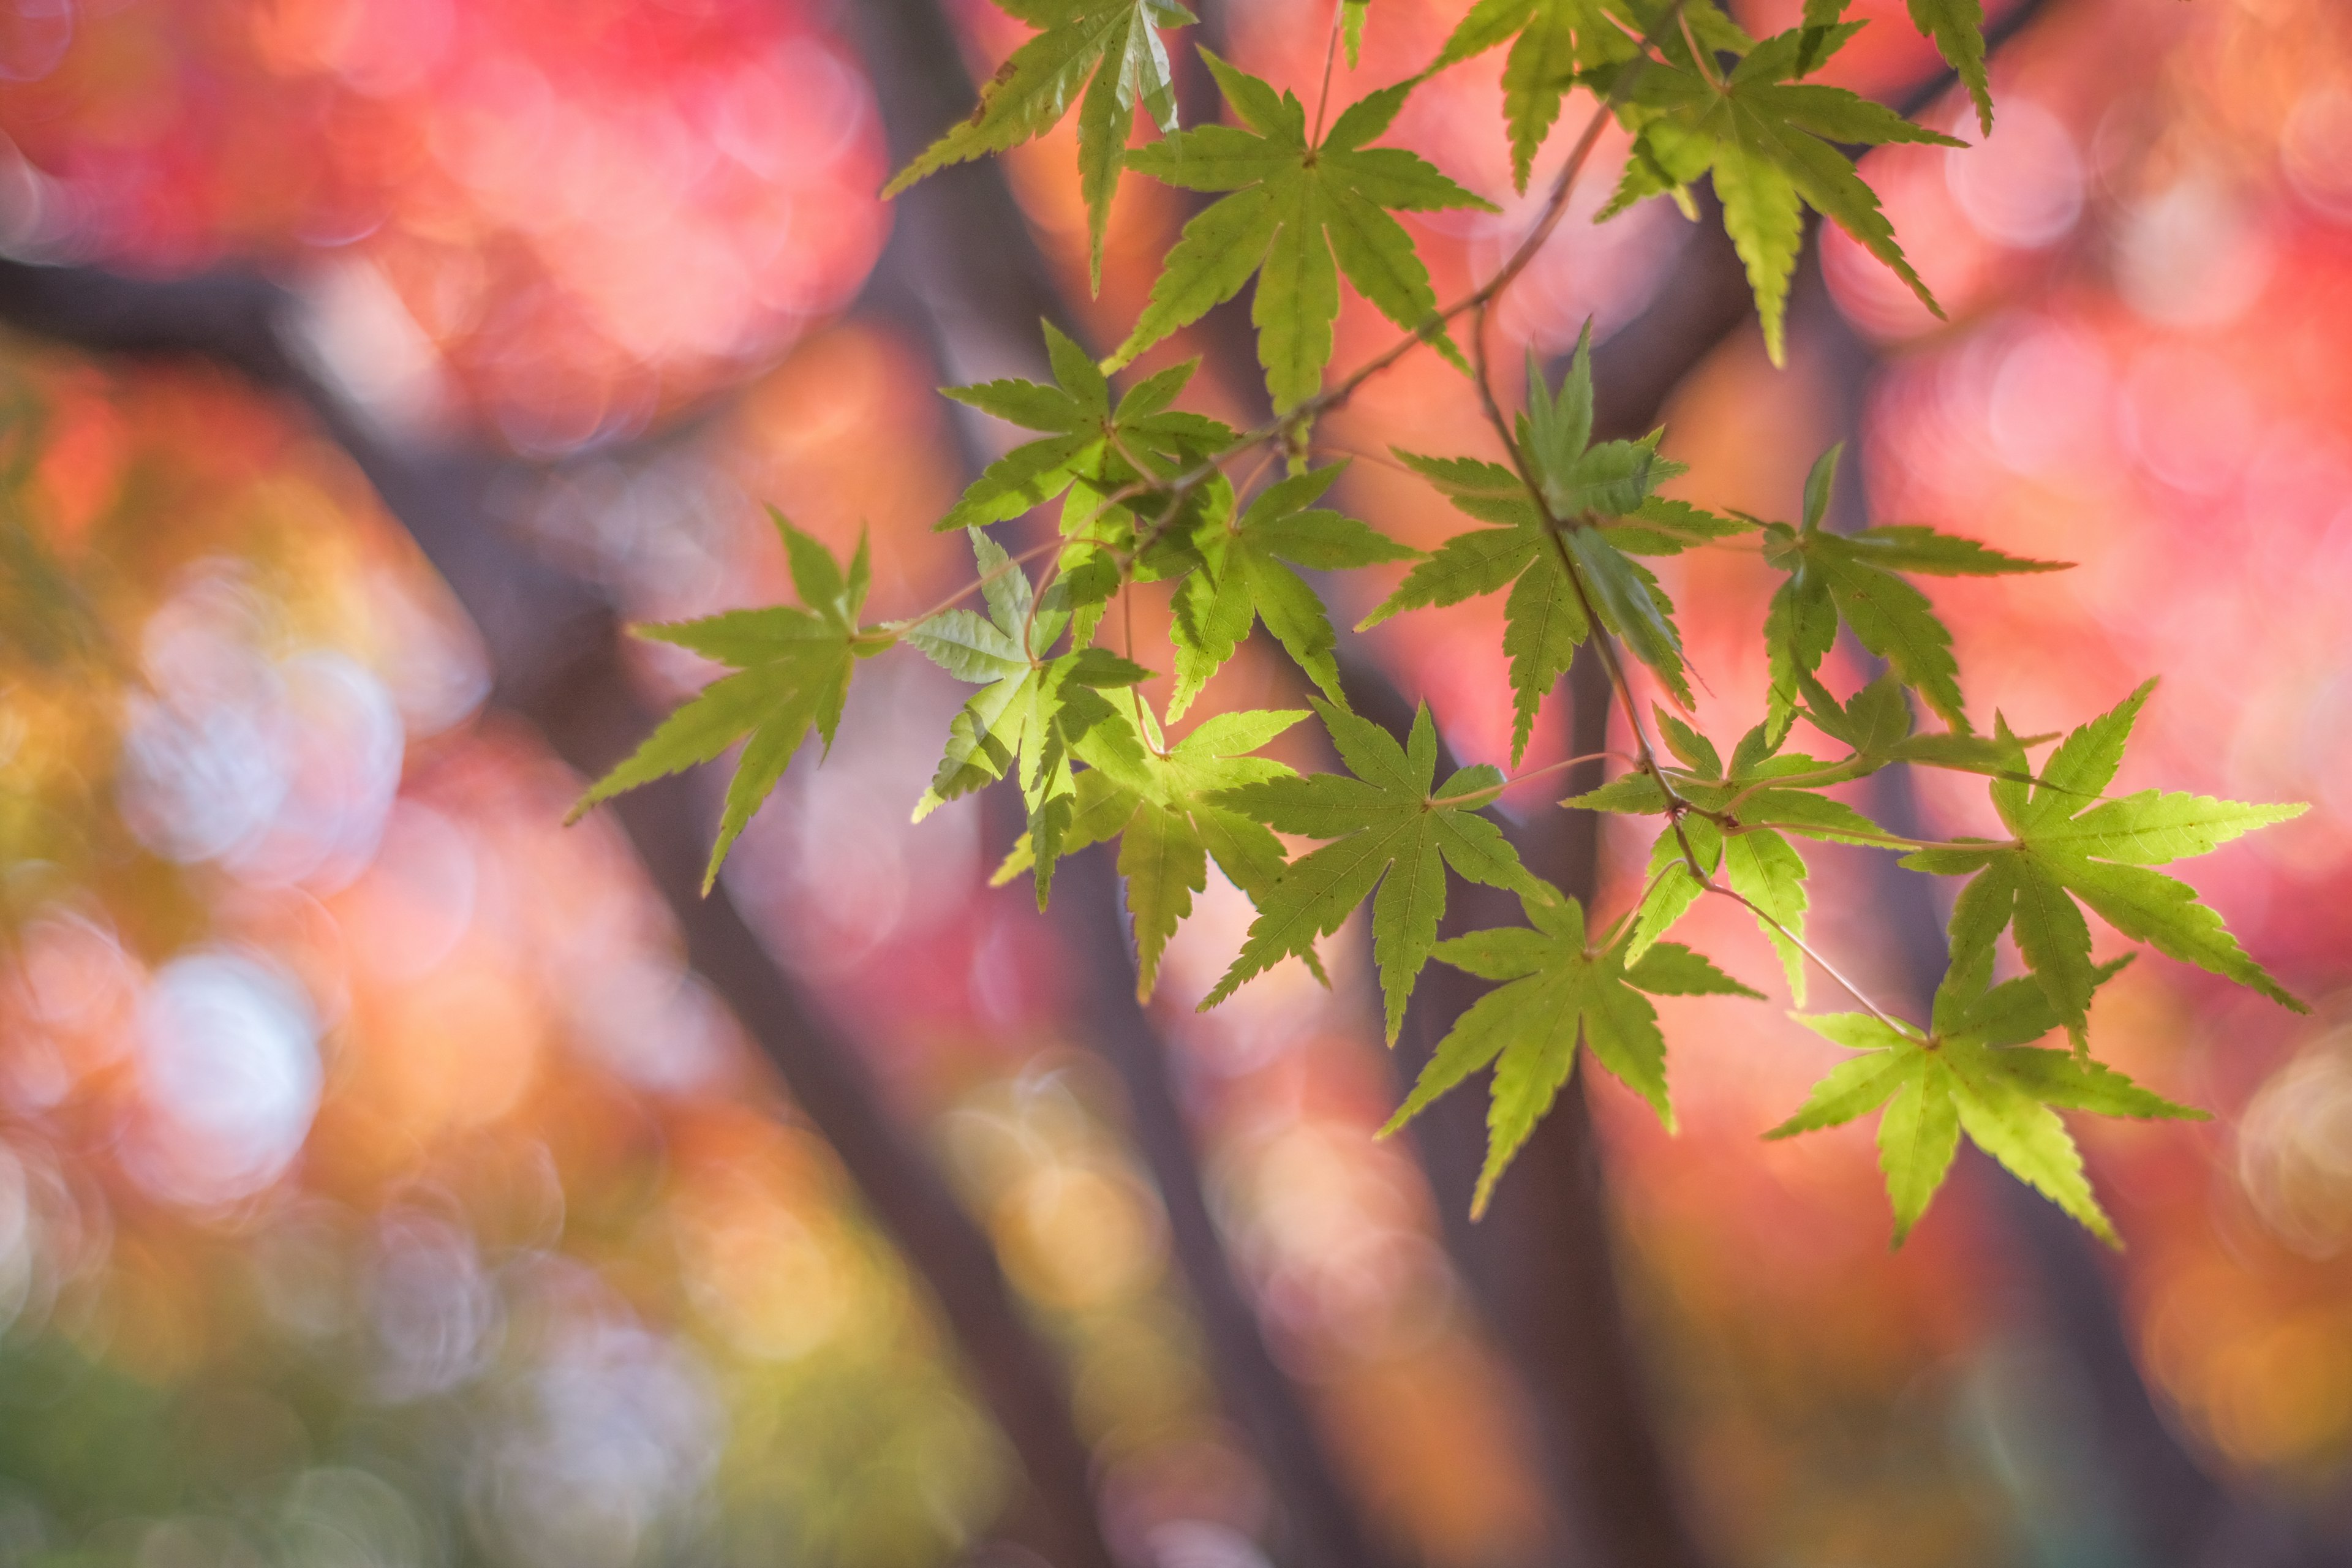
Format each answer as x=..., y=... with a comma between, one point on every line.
x=1957, y=28
x=1876, y=722
x=1111, y=50
x=1559, y=989
x=1244, y=579
x=1088, y=441
x=2072, y=846
x=1296, y=210
x=1599, y=494
x=1975, y=1073
x=1854, y=577
x=1162, y=807
x=1031, y=709
x=1390, y=829
x=1557, y=45
x=792, y=669
x=1740, y=831
x=1772, y=145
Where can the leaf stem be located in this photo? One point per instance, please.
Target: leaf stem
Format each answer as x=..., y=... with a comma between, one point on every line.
x=1851, y=989
x=1835, y=774
x=1037, y=597
x=975, y=586
x=1877, y=840
x=1478, y=798
x=1699, y=60
x=1609, y=937
x=1330, y=61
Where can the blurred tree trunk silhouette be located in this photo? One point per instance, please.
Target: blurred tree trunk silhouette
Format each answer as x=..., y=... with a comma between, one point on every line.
x=981, y=320
x=557, y=665
x=1324, y=1525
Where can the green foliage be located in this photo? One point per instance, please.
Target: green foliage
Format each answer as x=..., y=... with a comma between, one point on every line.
x=1957, y=27
x=1562, y=545
x=1558, y=988
x=1558, y=44
x=1162, y=805
x=1153, y=494
x=1301, y=213
x=2072, y=845
x=1244, y=579
x=1089, y=441
x=1975, y=1074
x=1736, y=823
x=1390, y=829
x=1031, y=709
x=1109, y=49
x=792, y=670
x=1771, y=144
x=1853, y=579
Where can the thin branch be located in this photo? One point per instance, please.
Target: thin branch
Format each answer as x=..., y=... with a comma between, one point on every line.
x=975, y=586
x=1856, y=992
x=1604, y=644
x=1478, y=798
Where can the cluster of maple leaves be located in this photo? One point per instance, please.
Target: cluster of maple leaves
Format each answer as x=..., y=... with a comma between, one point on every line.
x=1145, y=497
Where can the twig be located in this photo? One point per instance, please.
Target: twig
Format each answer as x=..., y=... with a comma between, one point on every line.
x=1481, y=796
x=1909, y=1031
x=975, y=586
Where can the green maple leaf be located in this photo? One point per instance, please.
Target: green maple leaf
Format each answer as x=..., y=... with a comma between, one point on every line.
x=1771, y=144
x=1110, y=50
x=1876, y=722
x=1300, y=216
x=1750, y=849
x=792, y=669
x=1854, y=577
x=1162, y=807
x=1601, y=495
x=1089, y=442
x=1977, y=1074
x=1558, y=989
x=1032, y=709
x=2071, y=847
x=1957, y=28
x=1557, y=45
x=1351, y=29
x=1244, y=579
x=1540, y=69
x=1390, y=828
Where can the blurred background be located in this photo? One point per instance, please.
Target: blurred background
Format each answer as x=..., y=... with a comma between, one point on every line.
x=391, y=1176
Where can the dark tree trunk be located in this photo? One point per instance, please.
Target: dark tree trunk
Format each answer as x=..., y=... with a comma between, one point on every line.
x=556, y=664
